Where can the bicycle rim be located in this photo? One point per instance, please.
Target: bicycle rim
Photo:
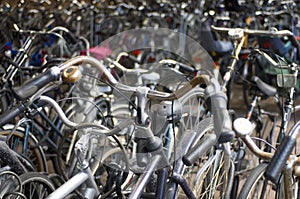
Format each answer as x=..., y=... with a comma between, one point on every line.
x=33, y=151
x=257, y=187
x=36, y=185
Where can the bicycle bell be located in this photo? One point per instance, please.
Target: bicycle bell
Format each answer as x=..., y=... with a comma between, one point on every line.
x=71, y=74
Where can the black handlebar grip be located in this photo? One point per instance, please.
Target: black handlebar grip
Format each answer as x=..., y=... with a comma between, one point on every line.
x=294, y=41
x=200, y=149
x=70, y=37
x=8, y=156
x=279, y=159
x=10, y=114
x=296, y=44
x=30, y=87
x=186, y=68
x=264, y=87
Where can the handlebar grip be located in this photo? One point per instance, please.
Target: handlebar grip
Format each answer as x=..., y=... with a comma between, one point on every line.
x=10, y=114
x=264, y=87
x=8, y=156
x=200, y=149
x=279, y=159
x=186, y=68
x=70, y=37
x=294, y=41
x=217, y=103
x=30, y=87
x=224, y=121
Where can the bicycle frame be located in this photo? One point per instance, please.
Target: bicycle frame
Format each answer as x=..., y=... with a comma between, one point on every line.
x=77, y=180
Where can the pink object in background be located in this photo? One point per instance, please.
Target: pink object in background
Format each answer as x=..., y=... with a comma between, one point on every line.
x=100, y=52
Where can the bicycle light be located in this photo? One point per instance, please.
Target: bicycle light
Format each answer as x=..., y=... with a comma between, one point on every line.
x=242, y=126
x=236, y=34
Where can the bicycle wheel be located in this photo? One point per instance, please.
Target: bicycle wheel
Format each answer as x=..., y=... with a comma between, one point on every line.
x=193, y=108
x=9, y=183
x=208, y=177
x=111, y=171
x=256, y=186
x=28, y=147
x=36, y=185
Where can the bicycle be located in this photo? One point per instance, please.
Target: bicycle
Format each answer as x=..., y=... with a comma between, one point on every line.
x=257, y=184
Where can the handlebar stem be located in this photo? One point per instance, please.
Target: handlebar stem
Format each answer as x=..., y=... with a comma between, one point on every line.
x=142, y=116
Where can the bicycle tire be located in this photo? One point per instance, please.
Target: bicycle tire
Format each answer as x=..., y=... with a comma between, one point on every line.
x=41, y=188
x=34, y=152
x=9, y=182
x=255, y=179
x=14, y=195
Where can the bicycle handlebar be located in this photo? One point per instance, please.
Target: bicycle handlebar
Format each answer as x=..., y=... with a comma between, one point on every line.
x=282, y=154
x=152, y=94
x=215, y=95
x=279, y=160
x=100, y=128
x=276, y=64
x=30, y=87
x=126, y=70
x=10, y=114
x=181, y=66
x=272, y=13
x=199, y=149
x=273, y=33
x=69, y=35
x=280, y=33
